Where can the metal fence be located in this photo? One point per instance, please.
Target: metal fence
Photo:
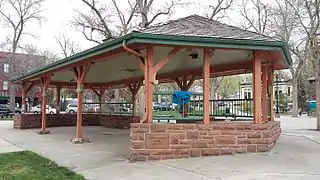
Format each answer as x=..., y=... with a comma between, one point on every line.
x=164, y=109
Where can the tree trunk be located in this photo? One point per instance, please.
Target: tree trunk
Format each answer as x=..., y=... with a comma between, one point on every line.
x=295, y=98
x=318, y=100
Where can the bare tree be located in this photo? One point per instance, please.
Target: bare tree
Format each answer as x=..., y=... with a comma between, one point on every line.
x=100, y=24
x=308, y=15
x=67, y=45
x=285, y=25
x=257, y=15
x=16, y=15
x=219, y=10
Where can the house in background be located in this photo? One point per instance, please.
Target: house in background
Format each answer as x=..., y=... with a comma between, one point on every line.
x=11, y=67
x=283, y=86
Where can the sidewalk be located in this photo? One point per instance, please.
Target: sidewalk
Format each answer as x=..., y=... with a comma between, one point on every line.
x=6, y=146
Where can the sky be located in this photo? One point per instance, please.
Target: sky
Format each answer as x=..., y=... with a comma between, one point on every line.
x=58, y=15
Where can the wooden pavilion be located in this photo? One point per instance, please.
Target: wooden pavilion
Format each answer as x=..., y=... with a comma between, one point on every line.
x=181, y=51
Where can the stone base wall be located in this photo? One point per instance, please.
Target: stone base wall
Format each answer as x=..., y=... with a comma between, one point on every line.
x=118, y=121
x=170, y=141
x=28, y=121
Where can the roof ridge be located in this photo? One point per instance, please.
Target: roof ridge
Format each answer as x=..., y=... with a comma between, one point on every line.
x=225, y=24
x=167, y=22
x=196, y=17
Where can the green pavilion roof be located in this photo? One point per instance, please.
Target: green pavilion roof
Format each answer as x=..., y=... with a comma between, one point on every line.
x=193, y=31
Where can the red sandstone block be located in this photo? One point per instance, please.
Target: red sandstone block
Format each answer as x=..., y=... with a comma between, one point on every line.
x=185, y=141
x=185, y=152
x=206, y=137
x=137, y=144
x=173, y=157
x=188, y=126
x=224, y=126
x=259, y=140
x=163, y=151
x=260, y=126
x=195, y=152
x=139, y=151
x=175, y=131
x=243, y=126
x=214, y=132
x=174, y=127
x=254, y=134
x=210, y=141
x=252, y=148
x=135, y=125
x=138, y=130
x=196, y=143
x=192, y=135
x=204, y=127
x=137, y=136
x=144, y=125
x=174, y=138
x=180, y=146
x=228, y=151
x=210, y=152
x=262, y=148
x=156, y=128
x=154, y=157
x=266, y=134
x=202, y=133
x=231, y=132
x=243, y=141
x=220, y=139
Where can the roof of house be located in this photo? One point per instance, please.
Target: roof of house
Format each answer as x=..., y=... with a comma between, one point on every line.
x=196, y=25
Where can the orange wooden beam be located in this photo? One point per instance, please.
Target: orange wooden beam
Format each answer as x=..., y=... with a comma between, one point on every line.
x=206, y=85
x=45, y=82
x=257, y=87
x=270, y=91
x=264, y=94
x=165, y=60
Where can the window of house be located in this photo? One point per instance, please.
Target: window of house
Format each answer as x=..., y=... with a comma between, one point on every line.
x=5, y=85
x=289, y=91
x=6, y=67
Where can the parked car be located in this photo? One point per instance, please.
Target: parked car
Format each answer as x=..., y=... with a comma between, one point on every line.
x=37, y=109
x=162, y=107
x=4, y=110
x=73, y=108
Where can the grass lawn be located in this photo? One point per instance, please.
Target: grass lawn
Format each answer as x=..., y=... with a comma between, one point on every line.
x=6, y=118
x=27, y=165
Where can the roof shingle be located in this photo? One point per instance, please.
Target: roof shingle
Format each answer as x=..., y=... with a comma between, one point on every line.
x=196, y=25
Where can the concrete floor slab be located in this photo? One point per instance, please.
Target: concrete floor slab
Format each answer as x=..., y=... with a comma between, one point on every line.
x=293, y=157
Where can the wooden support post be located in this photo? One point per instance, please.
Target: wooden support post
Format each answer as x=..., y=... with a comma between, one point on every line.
x=58, y=89
x=149, y=84
x=150, y=70
x=270, y=91
x=264, y=94
x=81, y=73
x=256, y=87
x=45, y=82
x=206, y=85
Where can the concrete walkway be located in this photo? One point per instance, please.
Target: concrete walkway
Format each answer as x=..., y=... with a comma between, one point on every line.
x=294, y=157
